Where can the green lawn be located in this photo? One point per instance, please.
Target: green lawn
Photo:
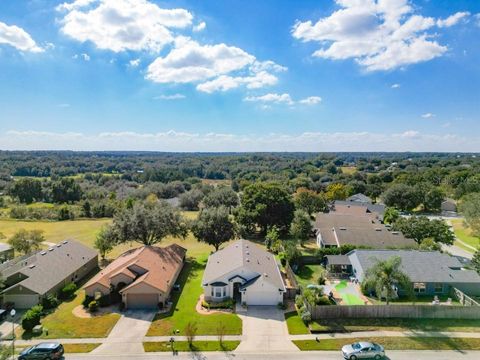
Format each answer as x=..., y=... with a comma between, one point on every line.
x=62, y=324
x=465, y=234
x=341, y=285
x=351, y=299
x=79, y=348
x=295, y=324
x=394, y=343
x=350, y=325
x=308, y=274
x=184, y=307
x=196, y=346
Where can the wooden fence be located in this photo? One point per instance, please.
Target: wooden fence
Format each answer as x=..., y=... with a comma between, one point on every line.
x=293, y=289
x=464, y=299
x=394, y=311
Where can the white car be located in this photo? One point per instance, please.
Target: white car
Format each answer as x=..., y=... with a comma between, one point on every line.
x=363, y=350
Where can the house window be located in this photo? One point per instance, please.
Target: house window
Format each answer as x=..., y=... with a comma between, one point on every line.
x=218, y=292
x=419, y=288
x=438, y=288
x=224, y=291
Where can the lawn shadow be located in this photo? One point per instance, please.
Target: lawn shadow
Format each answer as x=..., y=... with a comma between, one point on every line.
x=305, y=273
x=454, y=344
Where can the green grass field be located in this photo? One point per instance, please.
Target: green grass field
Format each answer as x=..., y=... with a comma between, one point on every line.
x=196, y=346
x=295, y=324
x=184, y=311
x=308, y=274
x=465, y=234
x=394, y=343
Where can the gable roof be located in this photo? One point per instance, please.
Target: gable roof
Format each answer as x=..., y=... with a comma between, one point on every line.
x=151, y=265
x=378, y=209
x=360, y=198
x=420, y=266
x=46, y=269
x=339, y=229
x=243, y=254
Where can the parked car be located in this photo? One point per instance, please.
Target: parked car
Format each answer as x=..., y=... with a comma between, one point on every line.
x=363, y=350
x=43, y=351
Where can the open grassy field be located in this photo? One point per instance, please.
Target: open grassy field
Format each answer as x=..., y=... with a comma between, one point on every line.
x=196, y=346
x=465, y=234
x=184, y=302
x=62, y=324
x=395, y=343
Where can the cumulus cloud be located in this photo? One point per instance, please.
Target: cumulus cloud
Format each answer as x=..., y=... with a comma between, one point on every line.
x=311, y=100
x=199, y=27
x=120, y=25
x=83, y=56
x=218, y=67
x=134, y=62
x=395, y=86
x=18, y=38
x=378, y=34
x=428, y=115
x=181, y=141
x=170, y=97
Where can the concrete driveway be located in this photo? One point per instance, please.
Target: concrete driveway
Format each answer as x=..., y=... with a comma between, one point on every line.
x=127, y=335
x=264, y=330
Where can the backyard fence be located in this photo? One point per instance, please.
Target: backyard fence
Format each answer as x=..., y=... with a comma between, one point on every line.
x=293, y=288
x=464, y=299
x=394, y=311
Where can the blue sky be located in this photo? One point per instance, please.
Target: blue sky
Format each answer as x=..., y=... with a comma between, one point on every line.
x=240, y=75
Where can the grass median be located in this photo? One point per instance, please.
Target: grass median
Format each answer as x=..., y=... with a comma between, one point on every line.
x=184, y=346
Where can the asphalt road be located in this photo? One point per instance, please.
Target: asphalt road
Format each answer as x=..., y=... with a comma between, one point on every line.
x=313, y=355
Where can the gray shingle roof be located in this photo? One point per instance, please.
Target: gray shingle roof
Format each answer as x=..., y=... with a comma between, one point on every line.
x=338, y=260
x=243, y=253
x=421, y=266
x=46, y=269
x=360, y=198
x=373, y=208
x=4, y=247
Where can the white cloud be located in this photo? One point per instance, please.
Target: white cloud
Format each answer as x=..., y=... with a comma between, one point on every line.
x=83, y=56
x=311, y=100
x=199, y=27
x=378, y=34
x=271, y=98
x=134, y=63
x=18, y=38
x=170, y=97
x=428, y=115
x=477, y=19
x=120, y=25
x=180, y=141
x=395, y=86
x=453, y=19
x=216, y=67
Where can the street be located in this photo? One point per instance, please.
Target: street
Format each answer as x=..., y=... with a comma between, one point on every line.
x=310, y=355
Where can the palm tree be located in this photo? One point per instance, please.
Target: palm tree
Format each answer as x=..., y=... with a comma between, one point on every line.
x=385, y=276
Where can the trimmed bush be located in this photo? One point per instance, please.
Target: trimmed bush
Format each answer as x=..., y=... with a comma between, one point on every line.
x=32, y=318
x=93, y=306
x=306, y=316
x=68, y=290
x=50, y=302
x=104, y=301
x=87, y=301
x=323, y=300
x=227, y=304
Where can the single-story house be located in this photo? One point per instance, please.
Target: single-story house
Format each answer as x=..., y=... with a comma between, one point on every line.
x=30, y=278
x=431, y=272
x=361, y=198
x=338, y=265
x=245, y=272
x=6, y=252
x=378, y=210
x=336, y=229
x=143, y=277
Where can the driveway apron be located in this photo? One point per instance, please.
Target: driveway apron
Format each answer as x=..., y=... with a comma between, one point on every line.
x=264, y=329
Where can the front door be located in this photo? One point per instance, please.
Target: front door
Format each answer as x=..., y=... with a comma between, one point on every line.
x=237, y=295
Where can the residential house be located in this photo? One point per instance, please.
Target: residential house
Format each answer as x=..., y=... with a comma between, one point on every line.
x=336, y=229
x=30, y=278
x=6, y=252
x=338, y=265
x=361, y=198
x=376, y=210
x=245, y=272
x=144, y=277
x=431, y=272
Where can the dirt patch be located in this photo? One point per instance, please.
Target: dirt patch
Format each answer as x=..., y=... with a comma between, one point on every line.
x=80, y=312
x=201, y=310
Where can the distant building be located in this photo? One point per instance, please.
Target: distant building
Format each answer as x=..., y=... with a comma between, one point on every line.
x=368, y=208
x=30, y=278
x=449, y=206
x=6, y=252
x=360, y=198
x=431, y=272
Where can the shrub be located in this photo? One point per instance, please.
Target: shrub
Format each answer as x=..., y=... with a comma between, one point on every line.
x=93, y=306
x=323, y=300
x=227, y=304
x=32, y=318
x=87, y=301
x=299, y=301
x=321, y=280
x=104, y=301
x=68, y=290
x=50, y=302
x=281, y=306
x=306, y=316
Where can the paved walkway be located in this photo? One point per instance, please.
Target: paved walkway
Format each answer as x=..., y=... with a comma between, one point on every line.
x=128, y=334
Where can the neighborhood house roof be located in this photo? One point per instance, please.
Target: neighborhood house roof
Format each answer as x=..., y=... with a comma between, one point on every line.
x=47, y=268
x=339, y=229
x=338, y=260
x=151, y=265
x=360, y=198
x=4, y=247
x=420, y=266
x=243, y=254
x=378, y=209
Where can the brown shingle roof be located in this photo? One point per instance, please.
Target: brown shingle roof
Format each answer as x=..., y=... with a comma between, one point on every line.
x=159, y=266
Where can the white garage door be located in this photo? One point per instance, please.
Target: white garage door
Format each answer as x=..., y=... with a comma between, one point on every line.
x=142, y=301
x=22, y=301
x=261, y=298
